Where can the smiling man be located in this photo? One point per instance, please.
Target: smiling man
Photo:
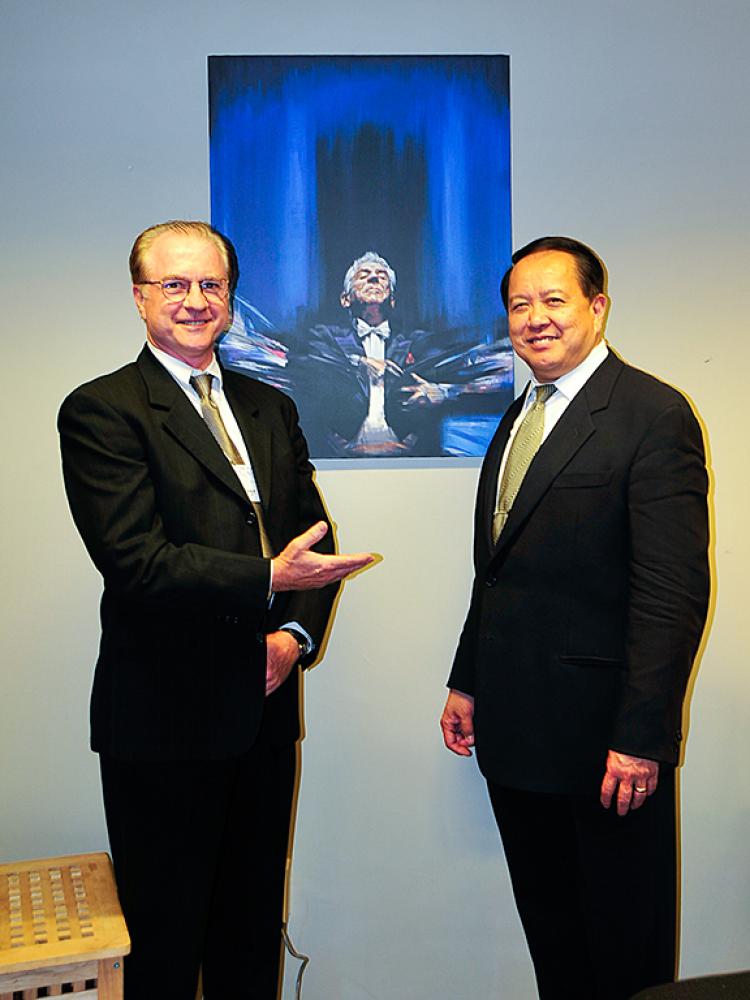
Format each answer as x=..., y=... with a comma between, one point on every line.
x=192, y=490
x=589, y=601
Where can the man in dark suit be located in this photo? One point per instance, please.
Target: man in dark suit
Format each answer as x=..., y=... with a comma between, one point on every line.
x=192, y=490
x=371, y=399
x=587, y=609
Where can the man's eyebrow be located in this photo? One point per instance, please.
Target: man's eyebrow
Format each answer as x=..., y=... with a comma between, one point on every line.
x=210, y=276
x=545, y=292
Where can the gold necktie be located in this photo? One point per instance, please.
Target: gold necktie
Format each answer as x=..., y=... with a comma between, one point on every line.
x=202, y=385
x=525, y=445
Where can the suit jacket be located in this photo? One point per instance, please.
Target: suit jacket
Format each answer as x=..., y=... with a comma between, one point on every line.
x=184, y=613
x=586, y=616
x=337, y=392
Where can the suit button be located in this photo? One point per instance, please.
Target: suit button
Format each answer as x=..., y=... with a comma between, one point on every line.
x=260, y=638
x=251, y=518
x=490, y=581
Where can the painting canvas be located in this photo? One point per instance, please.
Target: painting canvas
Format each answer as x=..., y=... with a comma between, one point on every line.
x=368, y=198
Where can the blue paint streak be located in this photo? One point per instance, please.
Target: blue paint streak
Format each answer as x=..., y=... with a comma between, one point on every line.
x=267, y=117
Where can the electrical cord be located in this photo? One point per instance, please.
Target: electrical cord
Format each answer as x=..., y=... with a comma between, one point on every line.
x=295, y=954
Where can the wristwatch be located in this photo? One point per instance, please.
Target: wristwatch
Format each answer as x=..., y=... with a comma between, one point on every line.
x=305, y=646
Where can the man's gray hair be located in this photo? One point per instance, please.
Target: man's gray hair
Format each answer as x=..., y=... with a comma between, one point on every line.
x=368, y=258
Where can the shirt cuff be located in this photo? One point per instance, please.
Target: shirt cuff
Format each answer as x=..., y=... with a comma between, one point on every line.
x=301, y=634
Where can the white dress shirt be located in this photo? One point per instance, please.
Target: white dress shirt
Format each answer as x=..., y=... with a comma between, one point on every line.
x=567, y=386
x=373, y=344
x=182, y=372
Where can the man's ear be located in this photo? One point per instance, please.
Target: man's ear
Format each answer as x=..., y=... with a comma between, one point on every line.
x=139, y=301
x=345, y=300
x=599, y=306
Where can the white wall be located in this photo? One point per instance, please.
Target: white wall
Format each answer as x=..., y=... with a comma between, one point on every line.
x=630, y=131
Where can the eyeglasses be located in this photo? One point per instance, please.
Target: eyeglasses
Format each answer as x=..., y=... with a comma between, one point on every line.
x=177, y=289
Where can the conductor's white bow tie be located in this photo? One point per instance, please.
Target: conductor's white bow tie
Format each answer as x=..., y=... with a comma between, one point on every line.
x=381, y=330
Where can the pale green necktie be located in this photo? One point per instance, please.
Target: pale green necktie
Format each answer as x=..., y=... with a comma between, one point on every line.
x=524, y=446
x=202, y=385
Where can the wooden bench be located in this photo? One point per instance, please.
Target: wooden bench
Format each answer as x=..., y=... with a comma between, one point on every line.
x=61, y=929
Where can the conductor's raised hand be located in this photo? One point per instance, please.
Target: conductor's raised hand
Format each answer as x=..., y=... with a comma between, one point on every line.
x=297, y=567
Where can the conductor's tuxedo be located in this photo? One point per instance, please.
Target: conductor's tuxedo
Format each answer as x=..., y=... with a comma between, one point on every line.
x=329, y=356
x=584, y=621
x=178, y=701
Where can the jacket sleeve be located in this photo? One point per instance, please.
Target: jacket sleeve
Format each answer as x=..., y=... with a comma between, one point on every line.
x=464, y=662
x=668, y=583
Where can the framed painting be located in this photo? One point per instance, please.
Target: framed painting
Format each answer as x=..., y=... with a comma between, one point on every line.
x=368, y=198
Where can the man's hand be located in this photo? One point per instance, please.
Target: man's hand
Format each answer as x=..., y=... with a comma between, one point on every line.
x=637, y=778
x=297, y=568
x=282, y=652
x=457, y=723
x=376, y=369
x=423, y=392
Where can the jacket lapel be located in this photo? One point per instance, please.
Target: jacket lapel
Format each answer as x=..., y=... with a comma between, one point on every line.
x=397, y=348
x=257, y=437
x=183, y=422
x=572, y=430
x=490, y=470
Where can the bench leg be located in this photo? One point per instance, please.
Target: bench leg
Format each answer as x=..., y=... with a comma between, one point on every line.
x=109, y=979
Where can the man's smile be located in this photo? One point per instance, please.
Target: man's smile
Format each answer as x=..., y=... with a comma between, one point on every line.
x=542, y=338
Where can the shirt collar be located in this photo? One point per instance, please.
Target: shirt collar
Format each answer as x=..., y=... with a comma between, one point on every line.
x=181, y=371
x=573, y=381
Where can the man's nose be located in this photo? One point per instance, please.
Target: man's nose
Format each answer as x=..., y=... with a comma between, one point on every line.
x=537, y=314
x=195, y=298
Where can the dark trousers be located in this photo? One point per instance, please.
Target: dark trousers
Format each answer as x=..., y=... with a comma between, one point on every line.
x=199, y=851
x=596, y=892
